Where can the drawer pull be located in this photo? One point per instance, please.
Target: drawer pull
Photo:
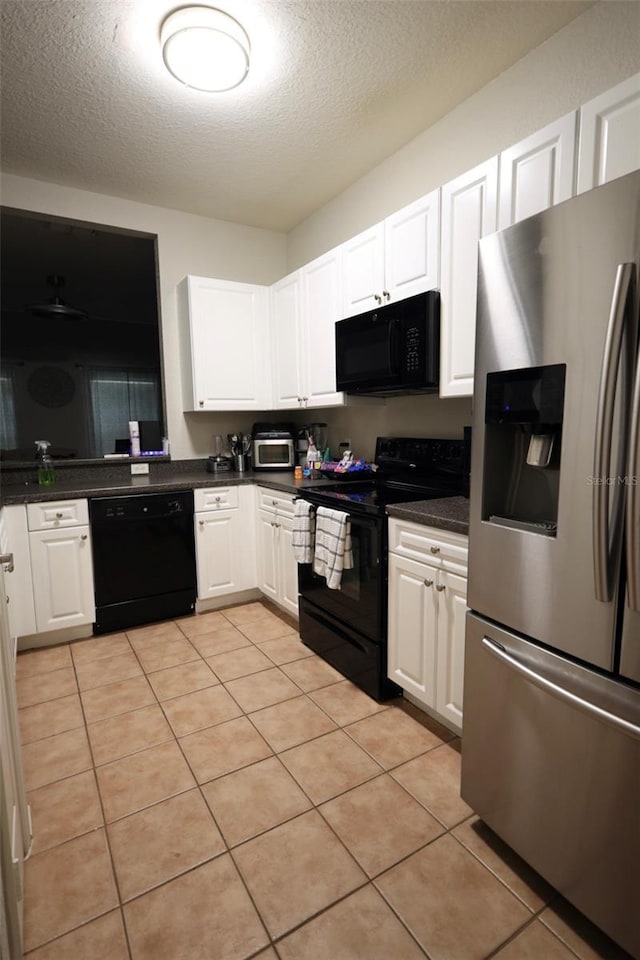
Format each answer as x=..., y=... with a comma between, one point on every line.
x=428, y=583
x=84, y=536
x=440, y=587
x=218, y=499
x=201, y=523
x=435, y=549
x=59, y=515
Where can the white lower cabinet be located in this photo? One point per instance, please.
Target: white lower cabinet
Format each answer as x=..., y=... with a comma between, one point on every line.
x=14, y=540
x=427, y=608
x=62, y=571
x=225, y=540
x=277, y=566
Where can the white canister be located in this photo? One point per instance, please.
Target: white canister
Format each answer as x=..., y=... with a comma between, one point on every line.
x=134, y=437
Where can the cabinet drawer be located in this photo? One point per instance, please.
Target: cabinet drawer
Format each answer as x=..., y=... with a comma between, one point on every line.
x=215, y=498
x=56, y=514
x=275, y=501
x=439, y=547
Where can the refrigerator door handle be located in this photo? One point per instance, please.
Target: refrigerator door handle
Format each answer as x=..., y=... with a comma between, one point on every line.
x=633, y=504
x=618, y=723
x=602, y=565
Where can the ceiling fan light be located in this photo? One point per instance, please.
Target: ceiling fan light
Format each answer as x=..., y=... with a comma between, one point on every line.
x=205, y=49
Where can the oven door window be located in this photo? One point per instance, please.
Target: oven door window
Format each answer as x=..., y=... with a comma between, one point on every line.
x=358, y=601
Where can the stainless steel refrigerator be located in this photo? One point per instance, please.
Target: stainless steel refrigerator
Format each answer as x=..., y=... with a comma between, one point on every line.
x=551, y=745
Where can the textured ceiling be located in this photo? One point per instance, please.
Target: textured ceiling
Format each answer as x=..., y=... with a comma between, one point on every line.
x=335, y=86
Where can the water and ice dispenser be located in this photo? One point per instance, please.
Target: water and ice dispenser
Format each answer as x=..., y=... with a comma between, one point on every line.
x=523, y=441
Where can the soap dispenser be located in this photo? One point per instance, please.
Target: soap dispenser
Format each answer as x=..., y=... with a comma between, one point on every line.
x=46, y=473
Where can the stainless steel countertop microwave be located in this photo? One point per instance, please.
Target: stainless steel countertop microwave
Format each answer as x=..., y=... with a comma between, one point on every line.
x=391, y=350
x=273, y=446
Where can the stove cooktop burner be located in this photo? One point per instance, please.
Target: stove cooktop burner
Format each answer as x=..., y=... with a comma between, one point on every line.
x=409, y=470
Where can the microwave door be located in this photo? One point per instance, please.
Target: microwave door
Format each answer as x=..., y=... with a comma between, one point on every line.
x=366, y=352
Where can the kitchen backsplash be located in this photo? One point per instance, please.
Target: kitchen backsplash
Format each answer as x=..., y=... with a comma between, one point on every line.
x=411, y=416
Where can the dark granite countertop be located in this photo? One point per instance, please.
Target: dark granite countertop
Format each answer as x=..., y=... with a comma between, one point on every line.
x=123, y=484
x=450, y=513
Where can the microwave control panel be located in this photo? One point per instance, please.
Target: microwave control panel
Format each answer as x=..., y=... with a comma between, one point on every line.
x=412, y=350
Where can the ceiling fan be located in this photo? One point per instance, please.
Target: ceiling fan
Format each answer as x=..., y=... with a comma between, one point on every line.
x=56, y=306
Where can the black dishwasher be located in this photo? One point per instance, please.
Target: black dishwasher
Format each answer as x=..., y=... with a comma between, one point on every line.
x=144, y=561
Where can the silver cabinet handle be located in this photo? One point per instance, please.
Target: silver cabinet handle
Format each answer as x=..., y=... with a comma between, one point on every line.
x=201, y=523
x=633, y=504
x=6, y=559
x=386, y=295
x=435, y=549
x=559, y=692
x=59, y=515
x=440, y=587
x=602, y=571
x=218, y=499
x=84, y=536
x=274, y=503
x=377, y=298
x=428, y=583
x=201, y=403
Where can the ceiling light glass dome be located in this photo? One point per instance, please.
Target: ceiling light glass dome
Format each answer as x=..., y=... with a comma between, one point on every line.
x=205, y=49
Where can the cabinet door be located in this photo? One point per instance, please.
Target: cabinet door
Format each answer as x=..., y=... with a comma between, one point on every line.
x=321, y=286
x=286, y=318
x=469, y=212
x=62, y=573
x=610, y=135
x=217, y=553
x=363, y=271
x=267, y=557
x=452, y=610
x=537, y=173
x=412, y=628
x=412, y=248
x=14, y=539
x=230, y=349
x=288, y=566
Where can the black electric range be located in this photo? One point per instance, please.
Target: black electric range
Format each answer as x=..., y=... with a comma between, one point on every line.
x=348, y=627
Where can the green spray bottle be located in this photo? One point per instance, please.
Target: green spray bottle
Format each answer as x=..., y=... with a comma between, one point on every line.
x=46, y=473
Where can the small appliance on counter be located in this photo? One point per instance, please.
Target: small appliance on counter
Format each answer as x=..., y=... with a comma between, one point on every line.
x=272, y=447
x=310, y=431
x=219, y=461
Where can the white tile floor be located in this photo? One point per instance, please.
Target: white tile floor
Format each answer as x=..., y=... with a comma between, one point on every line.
x=211, y=790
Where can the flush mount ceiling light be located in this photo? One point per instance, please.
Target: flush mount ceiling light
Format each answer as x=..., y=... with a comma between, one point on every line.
x=205, y=49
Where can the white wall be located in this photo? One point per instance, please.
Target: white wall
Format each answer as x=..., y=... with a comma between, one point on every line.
x=186, y=244
x=592, y=53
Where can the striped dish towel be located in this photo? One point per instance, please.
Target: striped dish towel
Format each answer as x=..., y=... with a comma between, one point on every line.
x=333, y=545
x=303, y=534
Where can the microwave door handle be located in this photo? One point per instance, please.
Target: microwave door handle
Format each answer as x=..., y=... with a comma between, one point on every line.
x=633, y=504
x=613, y=353
x=392, y=345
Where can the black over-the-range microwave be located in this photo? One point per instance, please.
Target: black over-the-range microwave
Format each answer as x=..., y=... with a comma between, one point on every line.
x=392, y=349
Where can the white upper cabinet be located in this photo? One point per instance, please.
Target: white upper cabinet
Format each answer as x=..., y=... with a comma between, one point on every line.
x=610, y=135
x=304, y=309
x=469, y=212
x=321, y=299
x=287, y=330
x=538, y=172
x=396, y=258
x=226, y=358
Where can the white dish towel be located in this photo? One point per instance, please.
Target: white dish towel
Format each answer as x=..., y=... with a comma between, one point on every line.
x=333, y=545
x=303, y=534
